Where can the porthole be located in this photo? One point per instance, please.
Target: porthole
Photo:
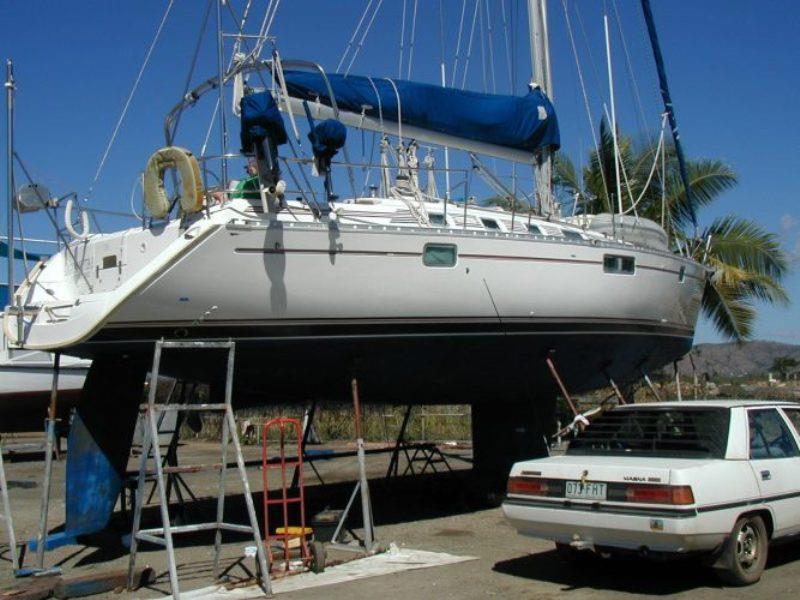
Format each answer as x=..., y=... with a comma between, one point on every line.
x=613, y=263
x=440, y=255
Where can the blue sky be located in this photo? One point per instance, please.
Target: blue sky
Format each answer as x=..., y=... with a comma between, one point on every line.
x=732, y=66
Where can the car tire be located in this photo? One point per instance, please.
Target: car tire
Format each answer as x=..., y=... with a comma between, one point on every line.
x=745, y=554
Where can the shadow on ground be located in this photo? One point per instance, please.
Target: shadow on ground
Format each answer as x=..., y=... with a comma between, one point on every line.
x=630, y=574
x=397, y=500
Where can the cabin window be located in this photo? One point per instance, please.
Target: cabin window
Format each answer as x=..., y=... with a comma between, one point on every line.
x=534, y=230
x=613, y=263
x=571, y=235
x=682, y=274
x=436, y=219
x=490, y=223
x=440, y=255
x=110, y=261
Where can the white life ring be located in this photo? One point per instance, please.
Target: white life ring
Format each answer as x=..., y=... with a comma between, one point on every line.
x=155, y=196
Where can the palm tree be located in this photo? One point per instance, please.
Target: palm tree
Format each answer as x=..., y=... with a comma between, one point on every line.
x=747, y=262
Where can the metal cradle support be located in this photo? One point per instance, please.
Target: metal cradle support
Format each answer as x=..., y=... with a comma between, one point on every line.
x=362, y=487
x=50, y=446
x=162, y=536
x=428, y=455
x=5, y=516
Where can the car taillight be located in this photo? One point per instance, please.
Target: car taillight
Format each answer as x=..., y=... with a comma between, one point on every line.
x=528, y=485
x=660, y=494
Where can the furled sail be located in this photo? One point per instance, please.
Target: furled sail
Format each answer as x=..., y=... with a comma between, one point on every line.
x=507, y=126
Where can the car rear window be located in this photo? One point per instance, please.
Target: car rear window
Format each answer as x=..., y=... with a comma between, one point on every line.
x=661, y=432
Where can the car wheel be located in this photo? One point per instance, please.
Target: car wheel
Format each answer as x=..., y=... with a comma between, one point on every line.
x=745, y=553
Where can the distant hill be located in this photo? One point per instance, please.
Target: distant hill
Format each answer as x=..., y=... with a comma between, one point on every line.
x=737, y=360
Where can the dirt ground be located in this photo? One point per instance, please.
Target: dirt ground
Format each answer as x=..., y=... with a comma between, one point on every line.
x=425, y=512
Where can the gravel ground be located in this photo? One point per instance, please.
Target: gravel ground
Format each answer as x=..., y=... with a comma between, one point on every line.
x=429, y=513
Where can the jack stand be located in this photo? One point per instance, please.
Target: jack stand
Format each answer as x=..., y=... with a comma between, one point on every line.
x=617, y=393
x=425, y=453
x=394, y=463
x=361, y=486
x=650, y=385
x=677, y=381
x=50, y=442
x=309, y=435
x=6, y=516
x=561, y=386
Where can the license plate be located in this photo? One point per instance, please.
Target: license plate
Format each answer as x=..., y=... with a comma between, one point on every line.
x=586, y=491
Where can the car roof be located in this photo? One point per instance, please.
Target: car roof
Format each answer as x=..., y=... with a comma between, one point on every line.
x=706, y=403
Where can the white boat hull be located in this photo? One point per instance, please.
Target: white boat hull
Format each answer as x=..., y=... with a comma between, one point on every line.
x=313, y=304
x=26, y=379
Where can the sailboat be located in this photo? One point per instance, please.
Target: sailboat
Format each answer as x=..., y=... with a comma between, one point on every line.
x=422, y=298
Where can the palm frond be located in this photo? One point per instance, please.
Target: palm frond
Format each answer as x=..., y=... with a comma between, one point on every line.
x=729, y=310
x=707, y=180
x=744, y=244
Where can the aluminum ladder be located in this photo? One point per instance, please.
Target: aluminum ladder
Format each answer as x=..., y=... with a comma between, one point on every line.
x=5, y=516
x=151, y=452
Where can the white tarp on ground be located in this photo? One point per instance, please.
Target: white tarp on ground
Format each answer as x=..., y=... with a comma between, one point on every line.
x=393, y=561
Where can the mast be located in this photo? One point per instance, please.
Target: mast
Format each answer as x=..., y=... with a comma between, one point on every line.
x=613, y=115
x=223, y=126
x=540, y=63
x=668, y=106
x=9, y=85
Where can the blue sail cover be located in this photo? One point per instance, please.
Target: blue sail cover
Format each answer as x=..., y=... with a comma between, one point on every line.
x=525, y=123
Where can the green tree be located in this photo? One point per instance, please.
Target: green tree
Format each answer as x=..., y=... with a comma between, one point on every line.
x=783, y=364
x=747, y=262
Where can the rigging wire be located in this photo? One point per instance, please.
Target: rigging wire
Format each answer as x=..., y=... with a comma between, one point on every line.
x=469, y=45
x=363, y=37
x=490, y=34
x=413, y=36
x=596, y=74
x=657, y=158
x=483, y=49
x=507, y=45
x=402, y=40
x=458, y=43
x=193, y=64
x=631, y=74
x=130, y=98
x=349, y=46
x=585, y=96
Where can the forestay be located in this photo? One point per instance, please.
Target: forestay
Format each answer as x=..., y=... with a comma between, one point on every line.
x=509, y=126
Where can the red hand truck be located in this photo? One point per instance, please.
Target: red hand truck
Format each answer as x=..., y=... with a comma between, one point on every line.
x=296, y=542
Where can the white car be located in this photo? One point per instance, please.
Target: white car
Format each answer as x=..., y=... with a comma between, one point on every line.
x=716, y=478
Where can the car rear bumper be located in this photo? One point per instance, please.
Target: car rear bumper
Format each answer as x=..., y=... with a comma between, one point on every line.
x=593, y=525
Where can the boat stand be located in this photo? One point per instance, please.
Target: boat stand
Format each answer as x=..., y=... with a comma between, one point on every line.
x=362, y=487
x=581, y=420
x=5, y=516
x=427, y=454
x=175, y=480
x=309, y=435
x=49, y=449
x=162, y=536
